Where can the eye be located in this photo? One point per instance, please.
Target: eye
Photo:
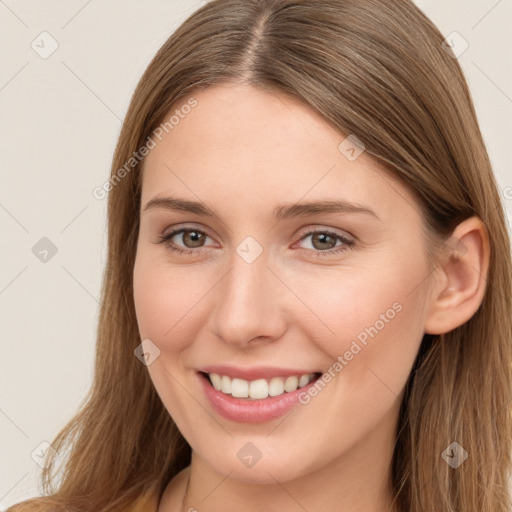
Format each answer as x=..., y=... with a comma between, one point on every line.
x=192, y=239
x=324, y=242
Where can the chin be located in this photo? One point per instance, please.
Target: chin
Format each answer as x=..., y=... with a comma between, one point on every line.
x=271, y=467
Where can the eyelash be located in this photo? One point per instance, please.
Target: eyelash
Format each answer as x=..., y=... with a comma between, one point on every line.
x=347, y=244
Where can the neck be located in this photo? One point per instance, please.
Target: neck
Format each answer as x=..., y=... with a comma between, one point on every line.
x=358, y=480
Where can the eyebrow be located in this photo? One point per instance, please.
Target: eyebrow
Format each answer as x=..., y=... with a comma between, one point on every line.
x=281, y=212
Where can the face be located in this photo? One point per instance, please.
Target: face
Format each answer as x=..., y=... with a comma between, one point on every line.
x=268, y=294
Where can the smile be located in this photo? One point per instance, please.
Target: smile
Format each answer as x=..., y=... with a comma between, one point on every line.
x=254, y=395
x=261, y=388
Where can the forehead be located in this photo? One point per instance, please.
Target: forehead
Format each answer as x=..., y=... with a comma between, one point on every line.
x=259, y=148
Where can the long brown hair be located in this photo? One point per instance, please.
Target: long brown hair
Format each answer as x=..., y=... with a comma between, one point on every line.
x=373, y=68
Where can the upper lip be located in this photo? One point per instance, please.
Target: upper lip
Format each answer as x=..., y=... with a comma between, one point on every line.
x=254, y=373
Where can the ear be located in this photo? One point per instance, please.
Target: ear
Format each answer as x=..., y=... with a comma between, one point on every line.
x=461, y=279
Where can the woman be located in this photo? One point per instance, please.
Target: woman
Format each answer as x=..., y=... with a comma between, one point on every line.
x=308, y=290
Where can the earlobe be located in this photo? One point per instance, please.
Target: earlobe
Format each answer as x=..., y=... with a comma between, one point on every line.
x=462, y=277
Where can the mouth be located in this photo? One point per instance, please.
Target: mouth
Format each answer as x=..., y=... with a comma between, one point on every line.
x=261, y=388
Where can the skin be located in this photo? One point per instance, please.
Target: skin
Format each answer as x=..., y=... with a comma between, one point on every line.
x=242, y=152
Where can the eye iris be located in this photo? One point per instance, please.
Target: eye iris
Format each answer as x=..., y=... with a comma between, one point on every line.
x=193, y=238
x=323, y=238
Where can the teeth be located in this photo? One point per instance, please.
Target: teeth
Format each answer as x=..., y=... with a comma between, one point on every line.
x=276, y=386
x=258, y=389
x=303, y=381
x=239, y=388
x=225, y=385
x=216, y=381
x=291, y=384
x=261, y=388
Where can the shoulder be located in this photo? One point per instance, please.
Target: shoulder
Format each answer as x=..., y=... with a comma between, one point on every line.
x=39, y=504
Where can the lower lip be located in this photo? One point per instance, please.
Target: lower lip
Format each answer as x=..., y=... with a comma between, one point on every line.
x=243, y=410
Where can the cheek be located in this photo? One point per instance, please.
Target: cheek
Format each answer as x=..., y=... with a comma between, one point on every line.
x=371, y=320
x=166, y=301
x=377, y=324
x=154, y=301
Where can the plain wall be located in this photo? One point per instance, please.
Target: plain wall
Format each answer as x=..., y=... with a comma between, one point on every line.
x=60, y=119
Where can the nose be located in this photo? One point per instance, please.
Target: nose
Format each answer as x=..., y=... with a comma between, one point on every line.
x=250, y=304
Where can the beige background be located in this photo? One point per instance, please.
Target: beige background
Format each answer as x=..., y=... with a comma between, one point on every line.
x=60, y=118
